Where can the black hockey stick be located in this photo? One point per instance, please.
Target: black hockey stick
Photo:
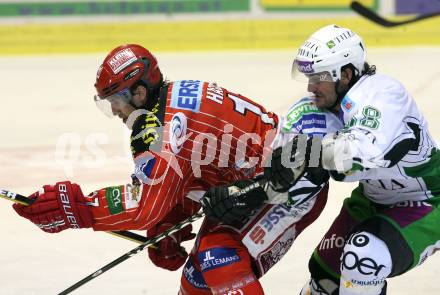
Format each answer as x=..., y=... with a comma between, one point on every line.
x=374, y=17
x=17, y=198
x=135, y=251
x=177, y=227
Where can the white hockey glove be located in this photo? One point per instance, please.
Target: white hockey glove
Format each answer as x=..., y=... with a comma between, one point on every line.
x=336, y=152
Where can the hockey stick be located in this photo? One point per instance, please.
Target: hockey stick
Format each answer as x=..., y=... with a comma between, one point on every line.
x=374, y=17
x=135, y=251
x=20, y=199
x=177, y=227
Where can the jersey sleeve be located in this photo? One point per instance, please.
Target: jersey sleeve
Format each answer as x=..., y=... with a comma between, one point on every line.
x=379, y=134
x=142, y=205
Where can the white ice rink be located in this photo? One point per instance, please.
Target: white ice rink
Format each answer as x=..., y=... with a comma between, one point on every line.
x=52, y=131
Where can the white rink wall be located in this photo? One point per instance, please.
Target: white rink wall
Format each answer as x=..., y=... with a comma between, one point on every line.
x=46, y=99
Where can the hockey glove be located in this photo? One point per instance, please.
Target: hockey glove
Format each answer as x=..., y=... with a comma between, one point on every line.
x=222, y=203
x=168, y=253
x=56, y=208
x=288, y=167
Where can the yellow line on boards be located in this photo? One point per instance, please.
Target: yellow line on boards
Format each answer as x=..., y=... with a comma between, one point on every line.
x=200, y=35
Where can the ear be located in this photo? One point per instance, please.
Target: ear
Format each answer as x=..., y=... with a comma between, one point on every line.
x=141, y=99
x=346, y=76
x=142, y=90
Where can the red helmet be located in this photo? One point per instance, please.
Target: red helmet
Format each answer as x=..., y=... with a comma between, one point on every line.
x=124, y=66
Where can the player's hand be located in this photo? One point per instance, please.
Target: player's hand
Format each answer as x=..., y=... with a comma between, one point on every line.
x=57, y=207
x=222, y=203
x=287, y=168
x=168, y=253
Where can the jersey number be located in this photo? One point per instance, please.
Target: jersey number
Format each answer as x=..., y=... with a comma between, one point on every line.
x=371, y=117
x=241, y=106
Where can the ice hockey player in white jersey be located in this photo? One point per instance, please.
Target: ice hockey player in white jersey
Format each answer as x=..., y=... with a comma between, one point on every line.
x=390, y=223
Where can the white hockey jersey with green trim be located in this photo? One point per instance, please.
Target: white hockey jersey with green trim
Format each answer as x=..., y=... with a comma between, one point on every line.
x=395, y=157
x=304, y=118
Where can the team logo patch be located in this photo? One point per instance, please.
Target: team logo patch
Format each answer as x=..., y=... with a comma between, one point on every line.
x=217, y=257
x=114, y=199
x=178, y=127
x=132, y=196
x=187, y=95
x=121, y=60
x=347, y=104
x=331, y=44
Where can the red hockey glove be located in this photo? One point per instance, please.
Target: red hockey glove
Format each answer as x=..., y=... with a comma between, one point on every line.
x=169, y=254
x=56, y=208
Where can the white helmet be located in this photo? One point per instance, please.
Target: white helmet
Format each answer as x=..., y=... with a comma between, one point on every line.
x=326, y=51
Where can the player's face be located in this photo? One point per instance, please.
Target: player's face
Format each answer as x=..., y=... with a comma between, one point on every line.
x=324, y=92
x=123, y=109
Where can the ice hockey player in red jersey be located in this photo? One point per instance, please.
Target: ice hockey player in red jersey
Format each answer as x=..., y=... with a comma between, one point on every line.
x=187, y=136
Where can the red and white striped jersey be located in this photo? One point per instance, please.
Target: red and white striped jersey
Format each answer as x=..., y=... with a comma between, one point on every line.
x=210, y=137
